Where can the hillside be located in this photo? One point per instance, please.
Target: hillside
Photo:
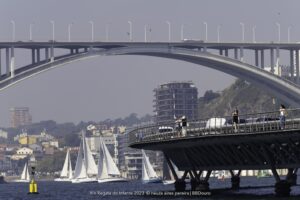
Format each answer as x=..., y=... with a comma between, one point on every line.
x=245, y=96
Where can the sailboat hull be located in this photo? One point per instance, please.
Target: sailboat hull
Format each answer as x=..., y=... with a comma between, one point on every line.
x=168, y=182
x=21, y=181
x=84, y=180
x=63, y=180
x=112, y=180
x=153, y=180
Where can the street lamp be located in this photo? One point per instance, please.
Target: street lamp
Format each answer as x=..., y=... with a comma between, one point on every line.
x=181, y=32
x=130, y=30
x=278, y=26
x=53, y=33
x=253, y=34
x=169, y=28
x=145, y=30
x=289, y=33
x=205, y=23
x=243, y=31
x=69, y=32
x=218, y=29
x=13, y=30
x=92, y=26
x=30, y=31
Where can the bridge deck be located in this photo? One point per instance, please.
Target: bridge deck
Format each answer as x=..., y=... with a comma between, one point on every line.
x=255, y=145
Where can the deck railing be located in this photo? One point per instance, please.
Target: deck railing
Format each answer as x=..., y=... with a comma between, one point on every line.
x=249, y=123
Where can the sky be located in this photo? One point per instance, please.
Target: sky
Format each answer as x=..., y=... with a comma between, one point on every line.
x=113, y=87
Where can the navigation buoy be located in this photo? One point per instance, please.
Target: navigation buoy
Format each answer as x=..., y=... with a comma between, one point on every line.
x=33, y=184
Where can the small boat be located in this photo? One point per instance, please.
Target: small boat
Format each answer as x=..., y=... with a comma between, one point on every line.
x=86, y=168
x=107, y=169
x=25, y=177
x=66, y=172
x=148, y=173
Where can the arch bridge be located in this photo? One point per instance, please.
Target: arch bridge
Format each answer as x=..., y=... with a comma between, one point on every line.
x=225, y=57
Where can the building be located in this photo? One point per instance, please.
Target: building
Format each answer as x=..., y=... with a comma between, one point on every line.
x=3, y=134
x=174, y=100
x=20, y=116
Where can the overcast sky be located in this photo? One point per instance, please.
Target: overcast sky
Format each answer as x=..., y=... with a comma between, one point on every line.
x=112, y=87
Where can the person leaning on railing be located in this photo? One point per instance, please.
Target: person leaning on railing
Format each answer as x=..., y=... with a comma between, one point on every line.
x=235, y=118
x=282, y=116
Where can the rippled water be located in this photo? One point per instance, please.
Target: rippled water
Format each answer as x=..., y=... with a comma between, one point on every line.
x=252, y=189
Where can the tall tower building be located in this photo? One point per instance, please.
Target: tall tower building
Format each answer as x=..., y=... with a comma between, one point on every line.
x=174, y=100
x=20, y=116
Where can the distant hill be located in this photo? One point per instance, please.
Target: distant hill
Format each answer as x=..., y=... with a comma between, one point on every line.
x=246, y=97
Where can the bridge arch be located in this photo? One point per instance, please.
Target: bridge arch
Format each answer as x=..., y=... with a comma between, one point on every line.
x=283, y=89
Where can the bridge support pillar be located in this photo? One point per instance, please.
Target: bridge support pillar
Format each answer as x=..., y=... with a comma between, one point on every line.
x=235, y=180
x=292, y=64
x=262, y=59
x=47, y=54
x=38, y=55
x=12, y=62
x=32, y=56
x=76, y=50
x=256, y=57
x=52, y=54
x=235, y=54
x=292, y=176
x=221, y=52
x=242, y=54
x=226, y=52
x=180, y=185
x=272, y=60
x=277, y=60
x=282, y=188
x=297, y=66
x=71, y=51
x=7, y=61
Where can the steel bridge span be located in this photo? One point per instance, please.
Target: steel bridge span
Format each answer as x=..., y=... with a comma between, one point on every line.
x=263, y=143
x=197, y=53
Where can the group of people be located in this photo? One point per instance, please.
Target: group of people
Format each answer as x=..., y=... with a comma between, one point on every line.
x=282, y=117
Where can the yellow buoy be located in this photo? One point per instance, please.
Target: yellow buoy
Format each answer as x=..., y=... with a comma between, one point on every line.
x=33, y=184
x=33, y=187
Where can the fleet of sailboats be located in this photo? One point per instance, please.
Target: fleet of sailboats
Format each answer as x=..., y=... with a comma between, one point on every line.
x=66, y=172
x=25, y=177
x=148, y=173
x=86, y=169
x=107, y=168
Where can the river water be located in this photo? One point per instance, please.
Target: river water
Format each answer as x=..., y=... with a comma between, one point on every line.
x=252, y=188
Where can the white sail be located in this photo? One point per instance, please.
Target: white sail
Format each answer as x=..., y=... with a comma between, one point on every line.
x=65, y=169
x=90, y=164
x=145, y=176
x=25, y=173
x=80, y=169
x=112, y=168
x=70, y=174
x=149, y=171
x=106, y=166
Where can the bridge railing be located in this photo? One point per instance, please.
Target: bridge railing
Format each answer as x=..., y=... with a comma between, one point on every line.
x=247, y=124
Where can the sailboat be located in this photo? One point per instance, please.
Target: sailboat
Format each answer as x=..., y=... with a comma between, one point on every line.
x=66, y=172
x=25, y=177
x=86, y=168
x=172, y=178
x=148, y=173
x=107, y=169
